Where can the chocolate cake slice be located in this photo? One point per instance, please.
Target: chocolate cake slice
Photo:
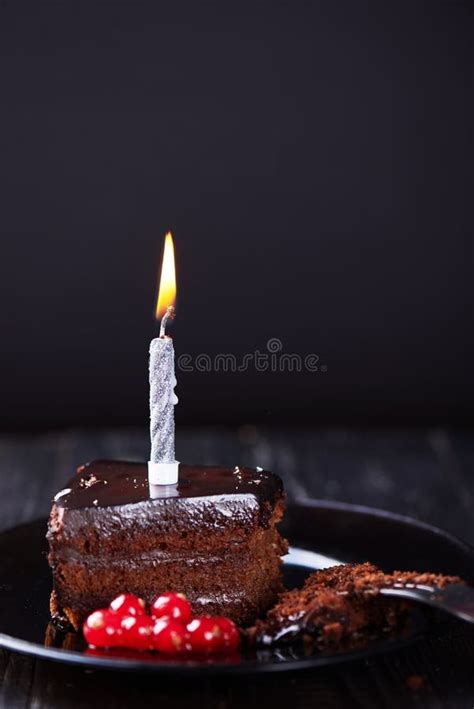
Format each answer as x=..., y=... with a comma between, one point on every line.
x=341, y=604
x=212, y=536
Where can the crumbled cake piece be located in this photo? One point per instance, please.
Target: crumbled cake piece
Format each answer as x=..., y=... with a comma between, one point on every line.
x=340, y=602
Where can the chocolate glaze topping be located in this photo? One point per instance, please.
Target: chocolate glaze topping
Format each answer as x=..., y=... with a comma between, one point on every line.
x=109, y=483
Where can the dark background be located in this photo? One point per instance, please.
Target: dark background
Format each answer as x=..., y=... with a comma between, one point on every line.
x=312, y=160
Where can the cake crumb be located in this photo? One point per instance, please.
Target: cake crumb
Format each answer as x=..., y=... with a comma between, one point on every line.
x=238, y=474
x=88, y=482
x=95, y=502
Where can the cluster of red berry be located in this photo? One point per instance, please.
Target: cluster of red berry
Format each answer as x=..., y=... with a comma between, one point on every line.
x=169, y=628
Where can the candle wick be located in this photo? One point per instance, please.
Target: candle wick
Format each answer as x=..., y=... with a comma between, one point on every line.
x=169, y=315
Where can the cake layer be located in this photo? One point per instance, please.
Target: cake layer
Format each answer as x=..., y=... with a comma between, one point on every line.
x=169, y=552
x=142, y=527
x=222, y=568
x=242, y=592
x=108, y=504
x=240, y=583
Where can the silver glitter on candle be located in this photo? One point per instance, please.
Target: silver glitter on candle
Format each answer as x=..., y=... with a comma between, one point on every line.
x=162, y=400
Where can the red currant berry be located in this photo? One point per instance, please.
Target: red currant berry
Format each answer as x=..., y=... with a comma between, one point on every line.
x=102, y=629
x=113, y=630
x=169, y=636
x=230, y=633
x=128, y=604
x=137, y=632
x=94, y=628
x=205, y=634
x=172, y=605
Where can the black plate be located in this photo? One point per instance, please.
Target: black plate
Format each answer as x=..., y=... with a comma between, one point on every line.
x=319, y=530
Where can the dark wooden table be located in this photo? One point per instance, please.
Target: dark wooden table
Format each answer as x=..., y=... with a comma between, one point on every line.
x=428, y=474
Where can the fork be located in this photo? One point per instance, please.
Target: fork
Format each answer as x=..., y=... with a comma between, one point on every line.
x=455, y=599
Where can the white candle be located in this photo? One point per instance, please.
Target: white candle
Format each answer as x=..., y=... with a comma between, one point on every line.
x=162, y=400
x=162, y=467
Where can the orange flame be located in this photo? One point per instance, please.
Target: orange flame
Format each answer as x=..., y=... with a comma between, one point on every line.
x=167, y=292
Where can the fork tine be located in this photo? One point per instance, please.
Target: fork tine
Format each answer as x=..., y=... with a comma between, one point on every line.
x=456, y=599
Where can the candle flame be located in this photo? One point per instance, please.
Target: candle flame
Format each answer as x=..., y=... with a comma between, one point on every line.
x=167, y=292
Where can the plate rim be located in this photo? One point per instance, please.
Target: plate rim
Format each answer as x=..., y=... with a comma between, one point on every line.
x=71, y=657
x=385, y=514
